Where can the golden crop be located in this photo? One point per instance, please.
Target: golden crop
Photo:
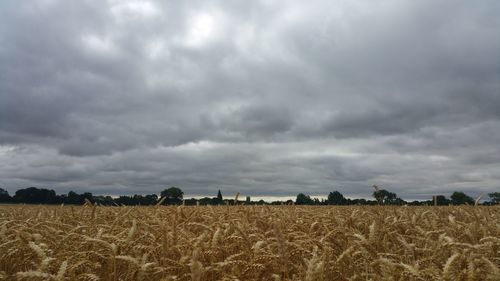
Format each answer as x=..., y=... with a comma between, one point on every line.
x=249, y=243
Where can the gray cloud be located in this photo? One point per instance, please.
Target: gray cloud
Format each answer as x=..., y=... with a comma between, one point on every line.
x=265, y=98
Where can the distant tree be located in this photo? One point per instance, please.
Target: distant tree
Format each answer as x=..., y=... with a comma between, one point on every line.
x=78, y=199
x=173, y=195
x=385, y=197
x=104, y=200
x=336, y=198
x=495, y=197
x=33, y=195
x=150, y=199
x=441, y=200
x=190, y=202
x=460, y=198
x=62, y=198
x=124, y=200
x=303, y=199
x=415, y=203
x=137, y=199
x=361, y=202
x=207, y=201
x=88, y=196
x=4, y=196
x=74, y=198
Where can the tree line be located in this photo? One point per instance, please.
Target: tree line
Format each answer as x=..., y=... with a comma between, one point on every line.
x=384, y=197
x=169, y=196
x=34, y=195
x=175, y=196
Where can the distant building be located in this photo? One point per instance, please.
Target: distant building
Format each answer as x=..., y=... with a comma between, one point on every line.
x=219, y=196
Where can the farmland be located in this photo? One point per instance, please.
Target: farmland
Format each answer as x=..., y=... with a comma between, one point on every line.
x=40, y=242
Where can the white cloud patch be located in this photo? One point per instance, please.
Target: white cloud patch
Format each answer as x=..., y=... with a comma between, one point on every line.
x=124, y=10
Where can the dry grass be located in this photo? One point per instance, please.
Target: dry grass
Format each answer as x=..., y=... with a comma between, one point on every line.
x=249, y=243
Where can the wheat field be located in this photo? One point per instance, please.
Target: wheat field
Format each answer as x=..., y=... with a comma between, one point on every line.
x=249, y=243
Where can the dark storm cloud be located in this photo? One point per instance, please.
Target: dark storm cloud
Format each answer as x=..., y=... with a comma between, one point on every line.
x=261, y=97
x=258, y=122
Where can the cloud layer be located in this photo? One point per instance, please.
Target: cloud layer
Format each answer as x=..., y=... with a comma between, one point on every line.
x=261, y=97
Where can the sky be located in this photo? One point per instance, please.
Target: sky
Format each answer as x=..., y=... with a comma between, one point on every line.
x=265, y=98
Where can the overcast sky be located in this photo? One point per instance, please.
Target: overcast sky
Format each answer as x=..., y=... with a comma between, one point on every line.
x=258, y=97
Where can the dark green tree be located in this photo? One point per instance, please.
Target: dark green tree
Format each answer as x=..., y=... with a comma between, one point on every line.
x=336, y=198
x=441, y=200
x=495, y=197
x=460, y=198
x=4, y=196
x=78, y=199
x=303, y=199
x=74, y=198
x=88, y=196
x=150, y=199
x=173, y=195
x=33, y=195
x=125, y=200
x=385, y=197
x=206, y=201
x=104, y=200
